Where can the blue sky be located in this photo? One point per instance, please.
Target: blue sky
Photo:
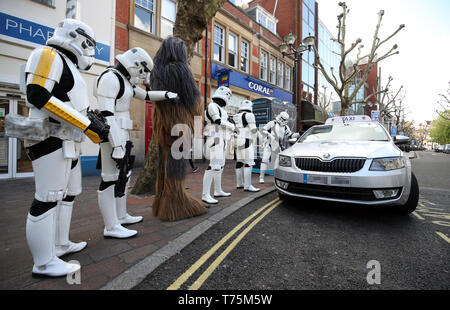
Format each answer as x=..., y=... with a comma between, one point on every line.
x=423, y=65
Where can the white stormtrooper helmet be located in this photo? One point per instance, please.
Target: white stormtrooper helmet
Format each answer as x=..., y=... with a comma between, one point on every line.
x=224, y=95
x=246, y=106
x=282, y=118
x=138, y=63
x=77, y=38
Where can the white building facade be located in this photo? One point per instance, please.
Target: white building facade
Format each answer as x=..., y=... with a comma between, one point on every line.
x=25, y=25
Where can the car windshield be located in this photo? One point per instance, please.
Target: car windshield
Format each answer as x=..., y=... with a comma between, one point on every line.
x=346, y=132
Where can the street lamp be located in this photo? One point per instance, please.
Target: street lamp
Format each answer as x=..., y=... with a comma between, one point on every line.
x=287, y=49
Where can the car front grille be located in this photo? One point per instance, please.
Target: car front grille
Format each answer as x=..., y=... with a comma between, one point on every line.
x=344, y=165
x=335, y=192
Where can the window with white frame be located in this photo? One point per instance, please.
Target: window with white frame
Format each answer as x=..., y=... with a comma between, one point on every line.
x=144, y=15
x=272, y=71
x=280, y=79
x=219, y=44
x=232, y=50
x=244, y=56
x=168, y=16
x=263, y=66
x=262, y=19
x=271, y=25
x=287, y=78
x=266, y=21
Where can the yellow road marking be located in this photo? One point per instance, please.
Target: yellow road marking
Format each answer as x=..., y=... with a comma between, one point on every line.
x=418, y=216
x=427, y=201
x=443, y=236
x=183, y=278
x=199, y=282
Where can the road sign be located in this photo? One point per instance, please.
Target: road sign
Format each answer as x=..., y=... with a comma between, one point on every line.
x=393, y=130
x=375, y=115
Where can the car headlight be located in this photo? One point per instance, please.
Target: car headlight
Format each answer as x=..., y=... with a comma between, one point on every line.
x=387, y=164
x=285, y=161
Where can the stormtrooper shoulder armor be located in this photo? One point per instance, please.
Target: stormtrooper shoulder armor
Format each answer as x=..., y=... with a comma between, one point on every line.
x=213, y=112
x=44, y=67
x=107, y=85
x=250, y=118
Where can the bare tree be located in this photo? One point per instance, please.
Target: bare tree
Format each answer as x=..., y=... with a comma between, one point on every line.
x=191, y=21
x=345, y=77
x=389, y=99
x=444, y=102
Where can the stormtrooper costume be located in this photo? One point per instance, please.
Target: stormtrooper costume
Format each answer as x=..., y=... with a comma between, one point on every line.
x=217, y=129
x=114, y=90
x=246, y=129
x=275, y=132
x=57, y=124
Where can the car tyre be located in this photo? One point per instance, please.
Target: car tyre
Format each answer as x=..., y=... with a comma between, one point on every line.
x=413, y=199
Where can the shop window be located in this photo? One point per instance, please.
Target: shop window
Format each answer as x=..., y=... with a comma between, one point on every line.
x=263, y=66
x=232, y=50
x=245, y=56
x=144, y=15
x=273, y=71
x=219, y=44
x=168, y=16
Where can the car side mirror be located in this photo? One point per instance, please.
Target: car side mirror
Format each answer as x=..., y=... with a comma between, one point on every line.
x=292, y=141
x=401, y=139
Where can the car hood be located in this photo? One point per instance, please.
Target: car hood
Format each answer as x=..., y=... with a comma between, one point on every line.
x=373, y=149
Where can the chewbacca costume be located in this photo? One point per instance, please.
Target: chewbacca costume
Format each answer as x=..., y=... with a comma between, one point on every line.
x=171, y=72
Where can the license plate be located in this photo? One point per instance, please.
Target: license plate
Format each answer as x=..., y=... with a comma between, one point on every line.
x=315, y=179
x=340, y=181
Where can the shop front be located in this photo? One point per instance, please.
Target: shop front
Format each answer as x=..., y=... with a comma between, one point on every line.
x=14, y=162
x=268, y=100
x=20, y=32
x=246, y=87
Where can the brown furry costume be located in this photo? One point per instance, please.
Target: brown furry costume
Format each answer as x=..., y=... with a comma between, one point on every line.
x=171, y=72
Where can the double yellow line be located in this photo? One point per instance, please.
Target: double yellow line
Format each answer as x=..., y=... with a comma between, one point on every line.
x=188, y=273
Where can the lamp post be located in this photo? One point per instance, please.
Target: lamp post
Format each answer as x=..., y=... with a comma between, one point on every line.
x=287, y=49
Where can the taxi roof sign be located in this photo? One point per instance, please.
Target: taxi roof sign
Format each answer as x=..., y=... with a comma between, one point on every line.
x=348, y=119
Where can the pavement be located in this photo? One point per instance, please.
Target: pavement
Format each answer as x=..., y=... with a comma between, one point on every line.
x=109, y=263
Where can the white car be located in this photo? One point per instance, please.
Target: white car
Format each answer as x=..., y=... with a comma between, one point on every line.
x=349, y=159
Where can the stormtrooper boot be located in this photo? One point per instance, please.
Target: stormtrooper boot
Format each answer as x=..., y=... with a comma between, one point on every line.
x=262, y=172
x=40, y=234
x=107, y=204
x=218, y=192
x=248, y=180
x=239, y=178
x=63, y=217
x=207, y=182
x=123, y=216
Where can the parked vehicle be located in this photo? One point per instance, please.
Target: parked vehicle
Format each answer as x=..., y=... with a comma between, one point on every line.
x=351, y=160
x=447, y=149
x=439, y=148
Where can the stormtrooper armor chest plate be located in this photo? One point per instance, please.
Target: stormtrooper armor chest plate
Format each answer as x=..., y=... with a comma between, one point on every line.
x=78, y=94
x=241, y=125
x=280, y=131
